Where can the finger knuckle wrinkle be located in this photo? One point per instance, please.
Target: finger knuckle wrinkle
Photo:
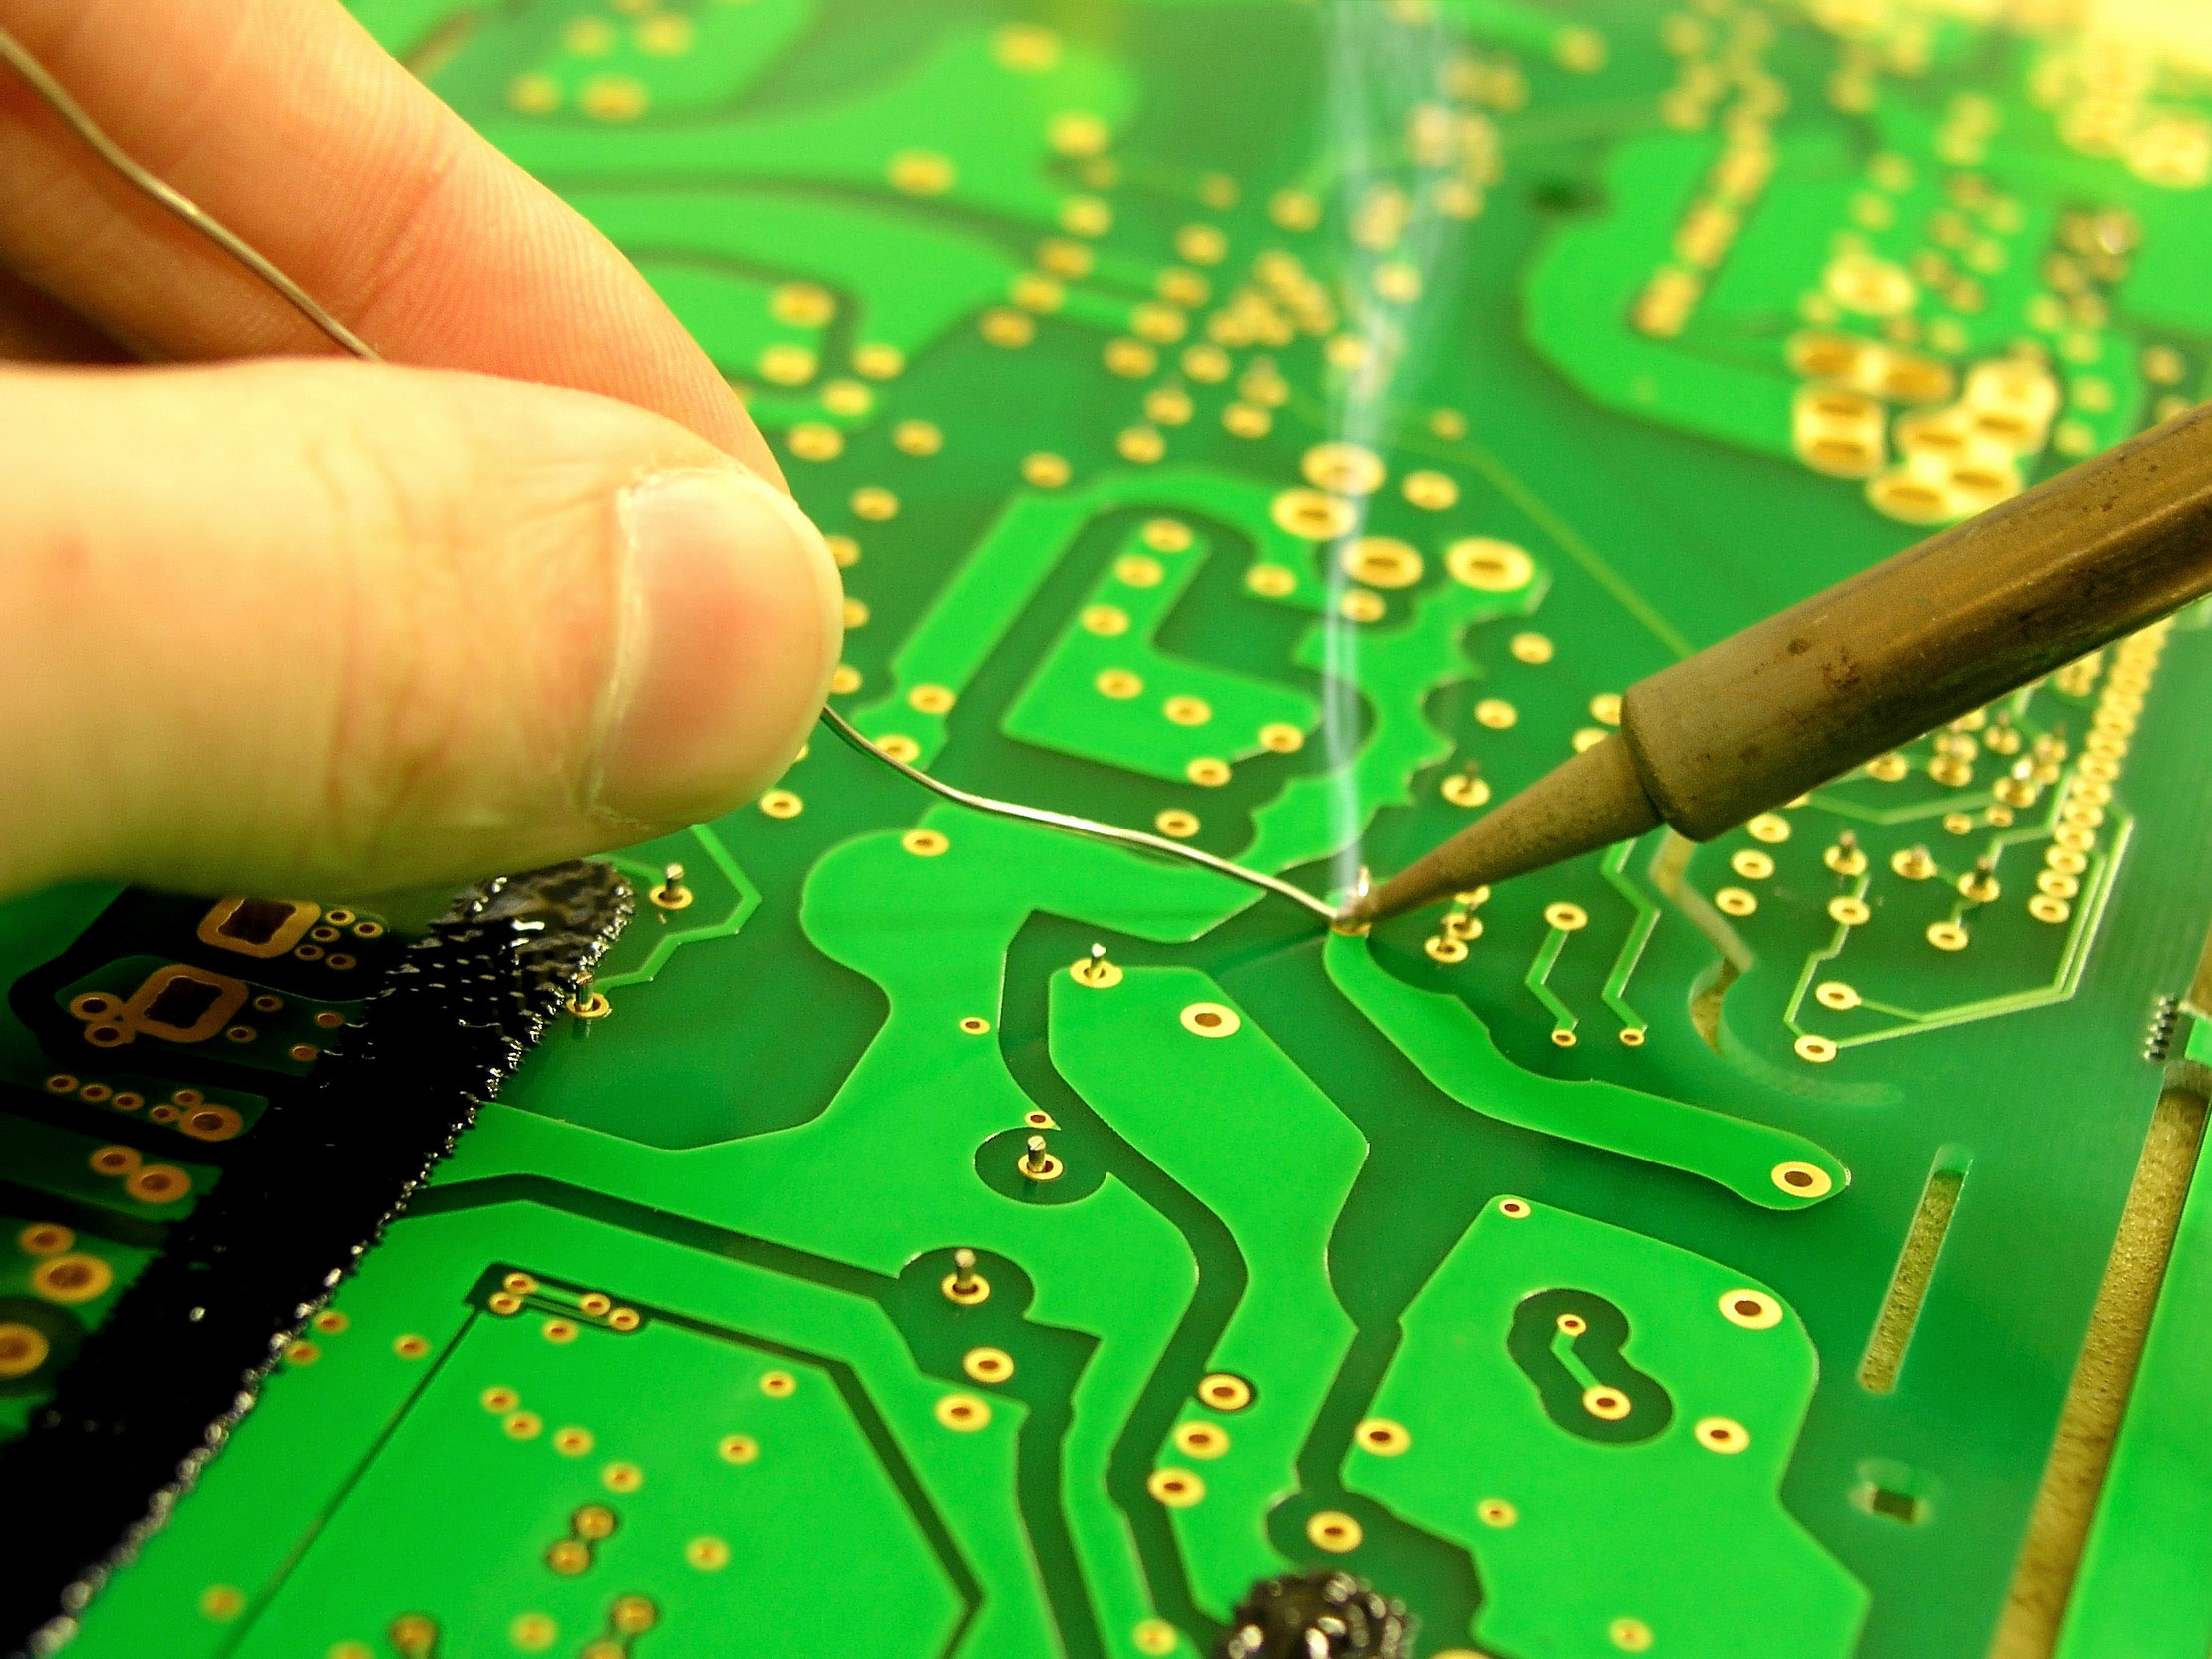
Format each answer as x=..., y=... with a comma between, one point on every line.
x=395, y=553
x=407, y=226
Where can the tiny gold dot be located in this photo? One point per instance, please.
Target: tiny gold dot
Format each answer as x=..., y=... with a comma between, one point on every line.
x=965, y=1413
x=707, y=1554
x=1334, y=1531
x=988, y=1365
x=1381, y=1436
x=1156, y=1637
x=1225, y=1392
x=1431, y=490
x=622, y=1477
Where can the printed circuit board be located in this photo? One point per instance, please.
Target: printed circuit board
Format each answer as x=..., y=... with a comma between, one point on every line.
x=1286, y=428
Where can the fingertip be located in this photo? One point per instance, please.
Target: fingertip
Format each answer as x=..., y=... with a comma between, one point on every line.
x=731, y=429
x=732, y=625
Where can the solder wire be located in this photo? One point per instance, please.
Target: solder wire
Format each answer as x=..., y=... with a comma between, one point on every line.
x=56, y=98
x=176, y=201
x=1075, y=825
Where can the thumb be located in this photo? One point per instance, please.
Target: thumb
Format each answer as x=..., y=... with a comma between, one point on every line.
x=310, y=627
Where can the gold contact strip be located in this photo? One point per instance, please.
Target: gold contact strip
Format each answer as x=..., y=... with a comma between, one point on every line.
x=2103, y=1378
x=1908, y=1284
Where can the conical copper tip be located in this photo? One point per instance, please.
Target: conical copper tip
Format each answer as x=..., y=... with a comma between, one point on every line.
x=1589, y=801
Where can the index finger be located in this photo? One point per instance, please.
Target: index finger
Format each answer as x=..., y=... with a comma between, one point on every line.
x=287, y=122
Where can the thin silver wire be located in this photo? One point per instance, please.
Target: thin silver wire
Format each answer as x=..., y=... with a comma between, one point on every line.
x=189, y=211
x=1075, y=825
x=176, y=201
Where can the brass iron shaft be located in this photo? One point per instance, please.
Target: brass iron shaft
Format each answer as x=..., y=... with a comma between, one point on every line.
x=1757, y=720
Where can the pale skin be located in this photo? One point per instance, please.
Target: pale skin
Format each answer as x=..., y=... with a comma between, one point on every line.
x=277, y=621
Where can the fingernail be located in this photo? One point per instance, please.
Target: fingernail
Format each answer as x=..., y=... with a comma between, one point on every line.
x=732, y=624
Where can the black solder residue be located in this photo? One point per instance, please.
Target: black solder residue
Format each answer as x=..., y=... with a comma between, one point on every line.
x=1317, y=1615
x=154, y=1392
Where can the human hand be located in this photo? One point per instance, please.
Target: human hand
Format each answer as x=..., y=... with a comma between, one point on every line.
x=317, y=626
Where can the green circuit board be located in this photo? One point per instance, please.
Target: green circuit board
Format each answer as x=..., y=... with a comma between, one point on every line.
x=1287, y=428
